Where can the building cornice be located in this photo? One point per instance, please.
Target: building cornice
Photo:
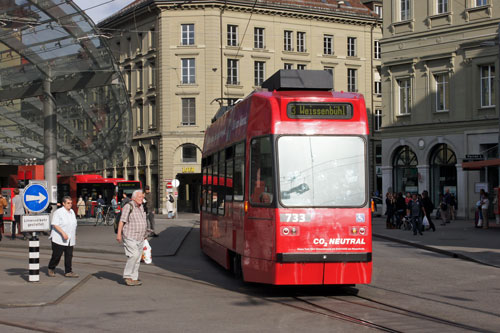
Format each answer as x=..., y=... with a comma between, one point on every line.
x=436, y=127
x=311, y=13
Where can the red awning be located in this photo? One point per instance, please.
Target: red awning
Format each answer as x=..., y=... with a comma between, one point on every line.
x=476, y=165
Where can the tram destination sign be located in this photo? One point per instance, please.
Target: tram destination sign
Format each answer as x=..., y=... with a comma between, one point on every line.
x=301, y=110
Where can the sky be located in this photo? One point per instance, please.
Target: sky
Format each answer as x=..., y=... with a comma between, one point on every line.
x=100, y=12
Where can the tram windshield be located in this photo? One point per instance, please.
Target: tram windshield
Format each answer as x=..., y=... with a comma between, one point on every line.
x=322, y=171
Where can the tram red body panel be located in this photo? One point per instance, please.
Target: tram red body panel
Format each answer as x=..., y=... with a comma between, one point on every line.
x=93, y=185
x=280, y=244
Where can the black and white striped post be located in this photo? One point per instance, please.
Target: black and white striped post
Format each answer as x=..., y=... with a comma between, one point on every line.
x=34, y=260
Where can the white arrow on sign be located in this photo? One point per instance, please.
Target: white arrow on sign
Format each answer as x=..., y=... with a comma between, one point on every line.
x=40, y=197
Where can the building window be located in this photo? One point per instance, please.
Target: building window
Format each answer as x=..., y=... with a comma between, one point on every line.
x=129, y=48
x=442, y=92
x=328, y=44
x=188, y=112
x=488, y=86
x=152, y=39
x=442, y=6
x=188, y=71
x=140, y=117
x=301, y=67
x=404, y=96
x=128, y=74
x=152, y=114
x=288, y=44
x=301, y=41
x=232, y=35
x=152, y=74
x=351, y=46
x=480, y=3
x=140, y=82
x=377, y=124
x=378, y=87
x=378, y=10
x=189, y=154
x=405, y=10
x=187, y=34
x=259, y=72
x=288, y=66
x=232, y=72
x=376, y=50
x=352, y=85
x=258, y=38
x=139, y=43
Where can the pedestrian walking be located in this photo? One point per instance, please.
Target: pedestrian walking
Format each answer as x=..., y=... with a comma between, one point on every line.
x=428, y=208
x=132, y=230
x=150, y=210
x=415, y=211
x=3, y=205
x=391, y=207
x=446, y=206
x=171, y=206
x=485, y=204
x=400, y=209
x=18, y=209
x=63, y=237
x=81, y=207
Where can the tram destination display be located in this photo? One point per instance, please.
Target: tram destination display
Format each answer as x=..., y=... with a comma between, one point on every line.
x=302, y=110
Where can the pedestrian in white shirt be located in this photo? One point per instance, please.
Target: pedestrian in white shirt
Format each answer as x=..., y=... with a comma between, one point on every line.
x=63, y=237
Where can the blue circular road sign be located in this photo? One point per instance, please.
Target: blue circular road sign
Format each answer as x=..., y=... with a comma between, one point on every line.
x=35, y=198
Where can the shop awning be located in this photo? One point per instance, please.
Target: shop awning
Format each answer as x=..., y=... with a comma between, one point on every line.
x=476, y=165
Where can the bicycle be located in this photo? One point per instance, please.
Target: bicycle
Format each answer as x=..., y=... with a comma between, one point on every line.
x=100, y=215
x=110, y=215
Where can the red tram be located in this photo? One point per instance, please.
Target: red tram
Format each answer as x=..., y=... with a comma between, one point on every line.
x=90, y=186
x=285, y=184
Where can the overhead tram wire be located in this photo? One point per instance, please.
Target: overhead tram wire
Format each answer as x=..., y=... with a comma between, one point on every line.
x=244, y=34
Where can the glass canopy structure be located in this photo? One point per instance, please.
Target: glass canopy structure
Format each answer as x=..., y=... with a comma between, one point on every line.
x=52, y=57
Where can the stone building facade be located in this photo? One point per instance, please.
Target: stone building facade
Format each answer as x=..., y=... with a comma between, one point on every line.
x=440, y=97
x=182, y=60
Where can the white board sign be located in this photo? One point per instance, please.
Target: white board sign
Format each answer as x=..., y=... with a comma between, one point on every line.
x=31, y=223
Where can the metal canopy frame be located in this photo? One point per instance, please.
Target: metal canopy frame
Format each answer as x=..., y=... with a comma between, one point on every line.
x=52, y=43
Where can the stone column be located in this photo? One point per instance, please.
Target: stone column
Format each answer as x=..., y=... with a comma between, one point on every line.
x=386, y=183
x=462, y=194
x=423, y=178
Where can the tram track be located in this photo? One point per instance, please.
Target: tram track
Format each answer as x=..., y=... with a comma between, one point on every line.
x=375, y=314
x=347, y=307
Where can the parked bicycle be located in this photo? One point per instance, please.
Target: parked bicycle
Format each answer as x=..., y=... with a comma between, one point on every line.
x=100, y=215
x=110, y=216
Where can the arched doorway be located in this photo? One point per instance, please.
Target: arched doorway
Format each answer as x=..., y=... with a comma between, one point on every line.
x=443, y=171
x=405, y=170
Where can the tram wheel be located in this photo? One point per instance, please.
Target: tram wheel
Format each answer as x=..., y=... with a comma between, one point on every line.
x=236, y=265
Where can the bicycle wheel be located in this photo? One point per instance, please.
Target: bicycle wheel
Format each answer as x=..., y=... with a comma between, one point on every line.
x=110, y=217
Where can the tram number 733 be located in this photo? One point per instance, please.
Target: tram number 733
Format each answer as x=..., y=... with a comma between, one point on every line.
x=285, y=184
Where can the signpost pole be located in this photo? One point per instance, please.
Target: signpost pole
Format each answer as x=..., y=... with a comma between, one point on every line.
x=50, y=137
x=34, y=259
x=35, y=200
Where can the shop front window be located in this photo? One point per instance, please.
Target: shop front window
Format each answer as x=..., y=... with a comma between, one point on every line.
x=405, y=171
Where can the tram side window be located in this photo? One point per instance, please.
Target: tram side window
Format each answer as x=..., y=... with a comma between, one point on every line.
x=209, y=185
x=204, y=185
x=239, y=172
x=215, y=182
x=261, y=167
x=221, y=183
x=229, y=173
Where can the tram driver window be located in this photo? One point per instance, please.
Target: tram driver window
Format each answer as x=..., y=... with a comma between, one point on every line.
x=261, y=181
